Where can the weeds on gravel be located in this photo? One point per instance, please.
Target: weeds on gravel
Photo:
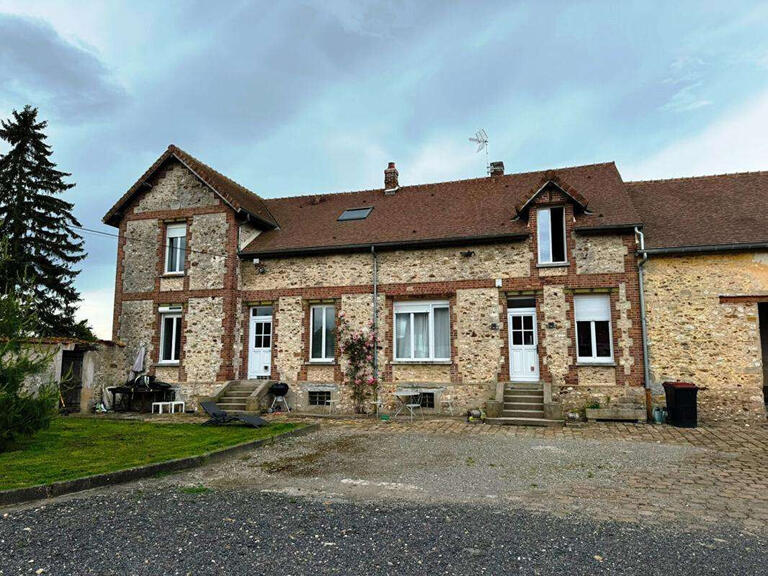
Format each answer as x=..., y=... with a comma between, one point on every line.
x=195, y=489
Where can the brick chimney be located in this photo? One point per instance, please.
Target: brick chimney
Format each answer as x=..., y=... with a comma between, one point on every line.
x=390, y=179
x=497, y=168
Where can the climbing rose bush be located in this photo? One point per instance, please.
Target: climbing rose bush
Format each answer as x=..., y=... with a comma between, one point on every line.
x=358, y=347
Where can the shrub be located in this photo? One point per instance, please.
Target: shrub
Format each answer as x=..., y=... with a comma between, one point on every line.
x=21, y=413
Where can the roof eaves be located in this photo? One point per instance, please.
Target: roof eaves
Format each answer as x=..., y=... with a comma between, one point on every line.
x=393, y=245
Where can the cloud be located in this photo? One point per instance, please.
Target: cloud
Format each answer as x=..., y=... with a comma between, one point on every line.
x=39, y=67
x=734, y=143
x=96, y=308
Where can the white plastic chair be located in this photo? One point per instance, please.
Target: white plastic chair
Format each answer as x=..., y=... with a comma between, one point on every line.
x=414, y=404
x=446, y=400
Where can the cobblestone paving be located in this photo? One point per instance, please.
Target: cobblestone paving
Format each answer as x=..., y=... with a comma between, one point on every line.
x=724, y=478
x=721, y=476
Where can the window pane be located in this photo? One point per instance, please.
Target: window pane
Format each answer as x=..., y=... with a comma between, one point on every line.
x=517, y=322
x=442, y=333
x=528, y=337
x=421, y=335
x=528, y=322
x=171, y=255
x=330, y=331
x=181, y=242
x=517, y=338
x=262, y=311
x=317, y=333
x=557, y=224
x=603, y=339
x=544, y=235
x=266, y=341
x=584, y=332
x=177, y=341
x=402, y=336
x=167, y=348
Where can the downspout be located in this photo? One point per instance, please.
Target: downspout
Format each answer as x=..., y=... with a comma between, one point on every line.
x=640, y=239
x=375, y=322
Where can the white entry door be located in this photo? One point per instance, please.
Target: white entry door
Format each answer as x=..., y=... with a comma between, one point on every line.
x=523, y=345
x=260, y=342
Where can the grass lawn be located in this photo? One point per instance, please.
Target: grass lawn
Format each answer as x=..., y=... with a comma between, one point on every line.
x=76, y=447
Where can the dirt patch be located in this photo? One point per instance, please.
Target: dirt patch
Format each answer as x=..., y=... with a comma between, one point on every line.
x=309, y=465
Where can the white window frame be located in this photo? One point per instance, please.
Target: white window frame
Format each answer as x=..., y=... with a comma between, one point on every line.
x=542, y=260
x=169, y=312
x=592, y=318
x=420, y=307
x=175, y=231
x=323, y=359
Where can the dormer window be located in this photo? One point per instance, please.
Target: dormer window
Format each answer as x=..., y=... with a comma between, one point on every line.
x=550, y=226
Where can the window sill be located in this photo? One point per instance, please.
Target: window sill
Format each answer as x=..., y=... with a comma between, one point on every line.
x=610, y=364
x=321, y=363
x=172, y=274
x=552, y=265
x=411, y=362
x=168, y=363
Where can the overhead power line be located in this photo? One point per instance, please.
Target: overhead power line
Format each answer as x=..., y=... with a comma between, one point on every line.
x=142, y=240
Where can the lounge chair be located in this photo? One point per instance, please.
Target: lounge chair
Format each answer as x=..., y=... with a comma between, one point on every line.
x=219, y=416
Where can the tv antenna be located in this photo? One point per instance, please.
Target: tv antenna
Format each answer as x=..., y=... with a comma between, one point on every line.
x=481, y=139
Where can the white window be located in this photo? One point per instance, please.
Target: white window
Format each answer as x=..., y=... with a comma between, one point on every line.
x=594, y=342
x=322, y=333
x=175, y=248
x=422, y=331
x=170, y=335
x=550, y=226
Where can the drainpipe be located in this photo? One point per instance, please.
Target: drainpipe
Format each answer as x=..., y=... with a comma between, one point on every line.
x=375, y=311
x=640, y=239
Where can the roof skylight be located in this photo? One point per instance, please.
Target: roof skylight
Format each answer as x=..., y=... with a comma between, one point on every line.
x=355, y=214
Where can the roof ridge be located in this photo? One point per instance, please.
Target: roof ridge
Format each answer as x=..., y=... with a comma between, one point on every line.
x=442, y=182
x=682, y=178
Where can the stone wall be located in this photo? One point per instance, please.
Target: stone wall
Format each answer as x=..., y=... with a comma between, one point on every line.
x=598, y=254
x=477, y=344
x=207, y=257
x=203, y=338
x=290, y=321
x=140, y=255
x=137, y=327
x=175, y=188
x=556, y=340
x=694, y=337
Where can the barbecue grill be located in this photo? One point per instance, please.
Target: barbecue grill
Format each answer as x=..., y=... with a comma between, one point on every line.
x=279, y=390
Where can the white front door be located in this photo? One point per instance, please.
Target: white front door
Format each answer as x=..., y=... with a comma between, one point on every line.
x=523, y=345
x=260, y=344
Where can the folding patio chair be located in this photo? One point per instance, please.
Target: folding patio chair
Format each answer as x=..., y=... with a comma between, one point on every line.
x=219, y=417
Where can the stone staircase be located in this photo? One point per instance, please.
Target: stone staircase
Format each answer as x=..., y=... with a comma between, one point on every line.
x=523, y=406
x=236, y=393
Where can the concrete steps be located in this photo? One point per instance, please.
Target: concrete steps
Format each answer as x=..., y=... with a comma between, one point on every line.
x=236, y=395
x=523, y=406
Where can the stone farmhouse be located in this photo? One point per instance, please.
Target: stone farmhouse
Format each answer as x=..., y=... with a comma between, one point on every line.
x=473, y=286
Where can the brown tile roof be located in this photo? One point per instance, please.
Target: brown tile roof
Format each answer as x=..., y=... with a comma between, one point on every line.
x=237, y=196
x=448, y=211
x=703, y=211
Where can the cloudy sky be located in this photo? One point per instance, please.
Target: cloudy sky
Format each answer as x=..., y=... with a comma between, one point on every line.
x=304, y=97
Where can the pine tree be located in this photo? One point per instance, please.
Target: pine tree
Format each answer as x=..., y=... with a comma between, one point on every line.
x=36, y=226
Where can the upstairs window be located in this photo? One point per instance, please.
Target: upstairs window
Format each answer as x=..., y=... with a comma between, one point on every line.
x=170, y=335
x=322, y=333
x=422, y=331
x=175, y=248
x=550, y=225
x=593, y=328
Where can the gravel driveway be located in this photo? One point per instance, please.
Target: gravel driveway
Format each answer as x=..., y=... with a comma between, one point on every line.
x=352, y=500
